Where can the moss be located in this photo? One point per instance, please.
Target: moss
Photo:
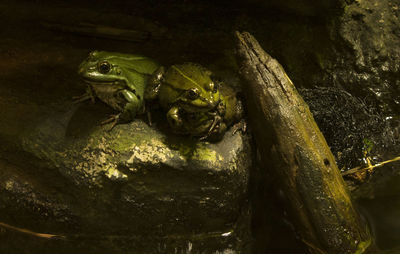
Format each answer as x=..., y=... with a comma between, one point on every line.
x=368, y=145
x=130, y=135
x=206, y=154
x=199, y=151
x=125, y=143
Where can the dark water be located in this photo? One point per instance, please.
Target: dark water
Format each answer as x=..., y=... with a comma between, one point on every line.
x=382, y=210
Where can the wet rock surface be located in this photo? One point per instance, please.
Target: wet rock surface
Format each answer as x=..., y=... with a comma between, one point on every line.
x=368, y=52
x=351, y=45
x=352, y=128
x=356, y=133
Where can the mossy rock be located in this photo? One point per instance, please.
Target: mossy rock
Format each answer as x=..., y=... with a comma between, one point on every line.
x=66, y=174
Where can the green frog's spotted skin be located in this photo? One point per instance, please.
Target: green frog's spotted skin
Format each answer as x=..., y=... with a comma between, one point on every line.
x=119, y=80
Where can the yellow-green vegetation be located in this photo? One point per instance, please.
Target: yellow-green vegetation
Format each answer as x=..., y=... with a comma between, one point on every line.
x=201, y=152
x=363, y=246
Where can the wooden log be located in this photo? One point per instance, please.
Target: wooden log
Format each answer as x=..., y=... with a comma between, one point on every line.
x=295, y=151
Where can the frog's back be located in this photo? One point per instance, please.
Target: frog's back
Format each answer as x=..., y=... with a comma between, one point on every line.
x=132, y=62
x=142, y=65
x=187, y=75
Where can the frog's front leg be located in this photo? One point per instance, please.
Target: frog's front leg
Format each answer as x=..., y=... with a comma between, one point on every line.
x=217, y=127
x=131, y=108
x=174, y=119
x=240, y=126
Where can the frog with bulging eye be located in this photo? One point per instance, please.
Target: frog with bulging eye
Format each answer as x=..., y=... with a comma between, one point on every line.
x=119, y=80
x=195, y=104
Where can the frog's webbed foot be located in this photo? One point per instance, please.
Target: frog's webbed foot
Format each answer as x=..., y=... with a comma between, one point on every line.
x=174, y=118
x=217, y=121
x=84, y=97
x=205, y=136
x=240, y=126
x=216, y=133
x=215, y=126
x=114, y=119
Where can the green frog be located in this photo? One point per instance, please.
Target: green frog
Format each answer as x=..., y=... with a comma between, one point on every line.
x=119, y=80
x=195, y=103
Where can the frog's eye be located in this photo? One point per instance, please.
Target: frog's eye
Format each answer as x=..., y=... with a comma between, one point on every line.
x=193, y=94
x=104, y=67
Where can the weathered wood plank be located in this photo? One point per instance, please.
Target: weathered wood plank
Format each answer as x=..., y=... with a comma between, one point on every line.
x=293, y=148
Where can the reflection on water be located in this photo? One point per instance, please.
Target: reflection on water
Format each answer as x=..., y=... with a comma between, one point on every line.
x=383, y=212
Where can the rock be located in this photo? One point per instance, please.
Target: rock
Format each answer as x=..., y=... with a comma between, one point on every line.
x=367, y=52
x=349, y=44
x=354, y=132
x=348, y=124
x=65, y=174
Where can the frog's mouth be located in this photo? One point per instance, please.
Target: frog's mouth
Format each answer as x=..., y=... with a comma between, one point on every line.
x=100, y=82
x=207, y=106
x=211, y=105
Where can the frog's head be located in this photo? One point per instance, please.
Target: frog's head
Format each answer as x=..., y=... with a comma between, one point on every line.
x=100, y=67
x=106, y=68
x=190, y=87
x=118, y=69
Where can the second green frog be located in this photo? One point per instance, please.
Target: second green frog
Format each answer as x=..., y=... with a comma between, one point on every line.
x=196, y=105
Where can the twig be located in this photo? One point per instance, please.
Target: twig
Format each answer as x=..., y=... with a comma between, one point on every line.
x=370, y=166
x=29, y=232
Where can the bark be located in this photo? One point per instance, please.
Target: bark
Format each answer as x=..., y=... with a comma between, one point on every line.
x=294, y=149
